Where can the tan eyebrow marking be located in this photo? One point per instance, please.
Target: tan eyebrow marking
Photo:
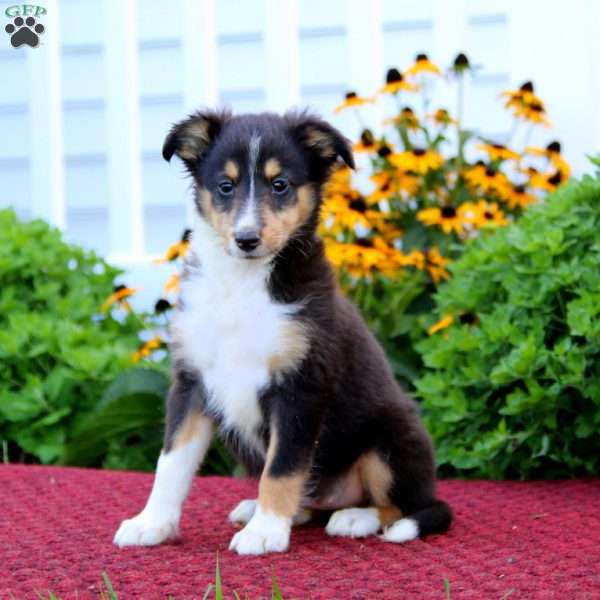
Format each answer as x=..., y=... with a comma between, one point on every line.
x=272, y=168
x=231, y=170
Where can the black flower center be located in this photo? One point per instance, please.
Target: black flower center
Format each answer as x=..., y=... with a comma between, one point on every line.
x=393, y=76
x=185, y=236
x=468, y=318
x=162, y=305
x=556, y=178
x=498, y=146
x=461, y=60
x=422, y=57
x=527, y=87
x=384, y=151
x=118, y=288
x=554, y=147
x=350, y=95
x=519, y=189
x=488, y=215
x=419, y=152
x=490, y=172
x=366, y=137
x=536, y=107
x=448, y=212
x=407, y=110
x=359, y=205
x=364, y=242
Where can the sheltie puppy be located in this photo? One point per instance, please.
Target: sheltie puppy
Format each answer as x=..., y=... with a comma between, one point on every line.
x=267, y=351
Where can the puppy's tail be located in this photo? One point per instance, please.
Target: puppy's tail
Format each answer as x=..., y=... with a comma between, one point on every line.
x=435, y=518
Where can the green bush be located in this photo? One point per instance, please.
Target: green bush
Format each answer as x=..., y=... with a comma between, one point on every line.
x=58, y=353
x=512, y=386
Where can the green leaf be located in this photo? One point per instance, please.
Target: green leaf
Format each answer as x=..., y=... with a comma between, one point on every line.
x=131, y=404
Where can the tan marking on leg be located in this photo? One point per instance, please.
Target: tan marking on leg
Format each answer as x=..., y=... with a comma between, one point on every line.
x=292, y=348
x=189, y=429
x=221, y=221
x=232, y=170
x=377, y=477
x=272, y=168
x=388, y=515
x=280, y=225
x=279, y=495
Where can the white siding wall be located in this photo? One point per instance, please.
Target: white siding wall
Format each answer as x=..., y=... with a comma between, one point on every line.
x=62, y=106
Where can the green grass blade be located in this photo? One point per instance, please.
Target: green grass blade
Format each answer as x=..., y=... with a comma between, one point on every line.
x=218, y=583
x=209, y=589
x=276, y=591
x=447, y=589
x=109, y=588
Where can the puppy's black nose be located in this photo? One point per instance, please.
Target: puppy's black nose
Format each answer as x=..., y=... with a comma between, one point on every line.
x=247, y=240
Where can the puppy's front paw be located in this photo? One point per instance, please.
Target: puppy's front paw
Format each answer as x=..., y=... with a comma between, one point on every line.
x=265, y=532
x=145, y=530
x=243, y=512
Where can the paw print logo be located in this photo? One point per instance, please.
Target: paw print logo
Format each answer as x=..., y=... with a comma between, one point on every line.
x=24, y=32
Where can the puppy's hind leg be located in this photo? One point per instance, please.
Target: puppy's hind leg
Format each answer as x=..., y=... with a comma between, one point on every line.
x=188, y=436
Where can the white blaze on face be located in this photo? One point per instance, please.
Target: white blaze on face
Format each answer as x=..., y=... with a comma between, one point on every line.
x=248, y=217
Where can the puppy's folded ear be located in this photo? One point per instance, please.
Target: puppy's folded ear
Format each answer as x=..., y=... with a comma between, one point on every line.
x=323, y=144
x=191, y=139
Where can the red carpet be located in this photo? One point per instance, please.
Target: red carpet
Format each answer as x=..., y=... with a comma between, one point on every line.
x=509, y=540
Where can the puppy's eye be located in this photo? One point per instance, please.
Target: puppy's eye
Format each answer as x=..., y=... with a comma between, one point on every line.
x=226, y=188
x=280, y=185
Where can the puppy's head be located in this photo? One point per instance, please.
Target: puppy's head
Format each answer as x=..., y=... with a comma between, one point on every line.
x=258, y=177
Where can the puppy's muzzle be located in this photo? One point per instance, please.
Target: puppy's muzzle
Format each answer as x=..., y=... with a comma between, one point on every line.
x=247, y=240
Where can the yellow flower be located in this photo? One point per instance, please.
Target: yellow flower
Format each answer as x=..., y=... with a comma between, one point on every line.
x=552, y=149
x=340, y=212
x=484, y=214
x=146, y=349
x=534, y=112
x=547, y=181
x=406, y=118
x=525, y=104
x=442, y=117
x=552, y=153
x=516, y=196
x=352, y=100
x=366, y=143
x=390, y=184
x=443, y=323
x=447, y=218
x=119, y=296
x=394, y=83
x=423, y=65
x=499, y=152
x=178, y=249
x=173, y=284
x=415, y=258
x=339, y=182
x=435, y=264
x=366, y=257
x=486, y=178
x=515, y=98
x=417, y=160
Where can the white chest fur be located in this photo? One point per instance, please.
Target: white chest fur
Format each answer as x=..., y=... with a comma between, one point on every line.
x=231, y=330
